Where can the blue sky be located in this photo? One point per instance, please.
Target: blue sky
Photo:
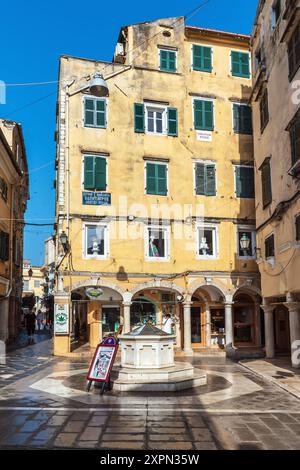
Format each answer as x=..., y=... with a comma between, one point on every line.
x=36, y=33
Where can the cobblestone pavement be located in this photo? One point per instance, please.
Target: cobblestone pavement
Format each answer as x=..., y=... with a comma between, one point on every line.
x=45, y=405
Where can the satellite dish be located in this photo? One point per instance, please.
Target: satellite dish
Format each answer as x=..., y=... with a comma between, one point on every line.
x=98, y=86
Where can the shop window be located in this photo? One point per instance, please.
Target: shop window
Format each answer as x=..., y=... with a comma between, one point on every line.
x=207, y=242
x=157, y=243
x=110, y=319
x=243, y=324
x=202, y=58
x=240, y=64
x=217, y=328
x=142, y=311
x=96, y=241
x=94, y=112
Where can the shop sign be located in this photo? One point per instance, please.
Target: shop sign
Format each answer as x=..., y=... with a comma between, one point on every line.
x=96, y=199
x=204, y=136
x=94, y=293
x=61, y=319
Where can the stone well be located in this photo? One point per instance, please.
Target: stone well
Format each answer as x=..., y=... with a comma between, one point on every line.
x=147, y=363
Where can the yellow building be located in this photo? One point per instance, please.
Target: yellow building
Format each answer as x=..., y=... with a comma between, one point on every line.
x=33, y=285
x=276, y=117
x=155, y=193
x=13, y=200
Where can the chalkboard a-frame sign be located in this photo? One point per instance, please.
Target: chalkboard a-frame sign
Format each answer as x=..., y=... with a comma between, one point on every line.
x=102, y=363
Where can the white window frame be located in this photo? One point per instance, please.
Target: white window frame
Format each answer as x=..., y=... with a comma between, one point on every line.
x=215, y=229
x=212, y=58
x=246, y=228
x=167, y=49
x=145, y=177
x=157, y=107
x=204, y=162
x=250, y=64
x=84, y=97
x=82, y=172
x=166, y=229
x=86, y=256
x=202, y=98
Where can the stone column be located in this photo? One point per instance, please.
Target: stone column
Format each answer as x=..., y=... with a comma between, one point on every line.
x=126, y=313
x=269, y=331
x=257, y=326
x=207, y=326
x=187, y=337
x=228, y=326
x=294, y=317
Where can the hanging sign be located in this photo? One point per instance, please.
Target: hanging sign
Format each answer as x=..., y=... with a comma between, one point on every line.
x=96, y=199
x=94, y=293
x=61, y=319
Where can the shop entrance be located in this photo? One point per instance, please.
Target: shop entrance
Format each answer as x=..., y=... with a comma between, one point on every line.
x=217, y=316
x=142, y=311
x=110, y=319
x=197, y=326
x=282, y=329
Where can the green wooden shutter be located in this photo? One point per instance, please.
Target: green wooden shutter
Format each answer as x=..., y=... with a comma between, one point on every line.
x=89, y=112
x=167, y=60
x=101, y=113
x=210, y=180
x=236, y=118
x=202, y=60
x=266, y=184
x=161, y=171
x=198, y=112
x=100, y=173
x=244, y=182
x=172, y=122
x=298, y=228
x=208, y=115
x=171, y=61
x=89, y=174
x=139, y=118
x=4, y=246
x=151, y=178
x=240, y=64
x=163, y=60
x=200, y=178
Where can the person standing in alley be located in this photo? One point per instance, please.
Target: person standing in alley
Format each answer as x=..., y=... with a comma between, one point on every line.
x=40, y=320
x=30, y=319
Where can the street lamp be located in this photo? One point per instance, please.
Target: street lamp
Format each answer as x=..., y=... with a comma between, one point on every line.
x=98, y=86
x=64, y=241
x=245, y=244
x=30, y=272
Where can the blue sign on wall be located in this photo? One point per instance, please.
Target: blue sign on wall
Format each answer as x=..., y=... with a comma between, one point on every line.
x=96, y=199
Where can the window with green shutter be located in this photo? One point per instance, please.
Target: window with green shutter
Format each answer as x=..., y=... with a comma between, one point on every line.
x=139, y=117
x=156, y=178
x=244, y=181
x=240, y=64
x=242, y=119
x=202, y=58
x=94, y=112
x=204, y=115
x=294, y=53
x=264, y=110
x=295, y=140
x=297, y=228
x=266, y=183
x=172, y=122
x=168, y=60
x=4, y=246
x=95, y=173
x=205, y=178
